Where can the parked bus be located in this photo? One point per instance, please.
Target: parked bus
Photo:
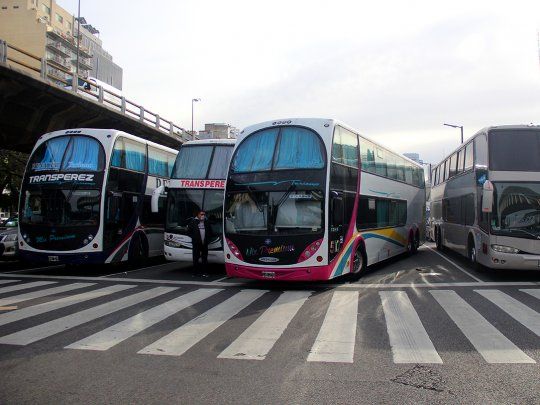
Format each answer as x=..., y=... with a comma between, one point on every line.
x=485, y=199
x=311, y=199
x=86, y=197
x=197, y=183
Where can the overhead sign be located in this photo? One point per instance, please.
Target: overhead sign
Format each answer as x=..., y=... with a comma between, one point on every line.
x=186, y=183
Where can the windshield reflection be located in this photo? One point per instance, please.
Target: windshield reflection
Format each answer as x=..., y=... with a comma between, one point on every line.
x=516, y=209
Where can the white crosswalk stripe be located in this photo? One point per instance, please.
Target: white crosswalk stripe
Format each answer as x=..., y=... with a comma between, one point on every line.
x=520, y=312
x=408, y=338
x=260, y=337
x=119, y=332
x=8, y=281
x=336, y=339
x=182, y=339
x=47, y=329
x=534, y=293
x=43, y=293
x=25, y=286
x=60, y=303
x=488, y=341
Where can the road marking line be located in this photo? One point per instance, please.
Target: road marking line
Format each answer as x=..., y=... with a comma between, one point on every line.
x=408, y=337
x=61, y=303
x=220, y=279
x=44, y=330
x=8, y=281
x=32, y=269
x=336, y=285
x=520, y=312
x=534, y=293
x=43, y=293
x=19, y=287
x=336, y=338
x=257, y=340
x=488, y=341
x=119, y=332
x=182, y=339
x=457, y=266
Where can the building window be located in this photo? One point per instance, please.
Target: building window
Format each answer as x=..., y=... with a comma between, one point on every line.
x=69, y=25
x=59, y=18
x=45, y=9
x=4, y=7
x=15, y=7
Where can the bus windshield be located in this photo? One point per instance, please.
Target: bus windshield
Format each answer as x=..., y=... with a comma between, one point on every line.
x=202, y=162
x=275, y=213
x=61, y=208
x=514, y=150
x=516, y=209
x=184, y=204
x=68, y=153
x=279, y=149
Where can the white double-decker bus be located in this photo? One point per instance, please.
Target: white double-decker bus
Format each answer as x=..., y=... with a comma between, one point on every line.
x=485, y=198
x=197, y=183
x=312, y=199
x=86, y=197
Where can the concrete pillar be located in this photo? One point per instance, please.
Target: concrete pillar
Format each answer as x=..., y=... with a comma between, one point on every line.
x=3, y=51
x=123, y=105
x=100, y=94
x=157, y=121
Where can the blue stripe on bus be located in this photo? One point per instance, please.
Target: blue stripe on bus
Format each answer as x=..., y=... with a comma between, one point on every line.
x=377, y=236
x=341, y=264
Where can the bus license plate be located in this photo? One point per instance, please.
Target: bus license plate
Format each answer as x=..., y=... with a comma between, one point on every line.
x=269, y=274
x=53, y=258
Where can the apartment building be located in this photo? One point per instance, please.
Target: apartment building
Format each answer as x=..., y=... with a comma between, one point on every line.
x=218, y=131
x=46, y=30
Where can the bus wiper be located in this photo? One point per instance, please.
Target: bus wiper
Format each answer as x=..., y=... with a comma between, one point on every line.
x=252, y=195
x=286, y=195
x=536, y=236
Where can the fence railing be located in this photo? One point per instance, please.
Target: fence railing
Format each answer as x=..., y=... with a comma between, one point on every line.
x=64, y=78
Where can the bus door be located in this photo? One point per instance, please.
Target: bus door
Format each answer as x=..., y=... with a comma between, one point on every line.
x=337, y=229
x=120, y=216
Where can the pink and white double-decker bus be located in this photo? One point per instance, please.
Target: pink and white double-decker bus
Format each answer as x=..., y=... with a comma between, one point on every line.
x=312, y=199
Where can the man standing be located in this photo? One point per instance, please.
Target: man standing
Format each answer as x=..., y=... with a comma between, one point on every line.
x=200, y=232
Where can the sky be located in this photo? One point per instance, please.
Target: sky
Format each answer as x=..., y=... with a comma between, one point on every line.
x=393, y=70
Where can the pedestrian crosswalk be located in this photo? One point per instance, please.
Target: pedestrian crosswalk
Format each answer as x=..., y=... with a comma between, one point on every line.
x=133, y=310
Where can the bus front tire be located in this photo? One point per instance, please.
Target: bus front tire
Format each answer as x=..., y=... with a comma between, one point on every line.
x=473, y=259
x=359, y=263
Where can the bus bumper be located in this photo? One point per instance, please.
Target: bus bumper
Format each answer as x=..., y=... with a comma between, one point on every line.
x=513, y=261
x=59, y=258
x=186, y=255
x=269, y=273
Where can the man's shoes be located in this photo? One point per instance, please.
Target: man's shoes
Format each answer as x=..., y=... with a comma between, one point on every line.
x=204, y=275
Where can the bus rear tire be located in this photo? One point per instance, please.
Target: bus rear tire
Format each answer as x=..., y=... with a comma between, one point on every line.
x=138, y=250
x=416, y=243
x=438, y=239
x=359, y=263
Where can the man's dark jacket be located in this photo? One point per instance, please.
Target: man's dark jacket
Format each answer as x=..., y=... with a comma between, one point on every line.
x=195, y=234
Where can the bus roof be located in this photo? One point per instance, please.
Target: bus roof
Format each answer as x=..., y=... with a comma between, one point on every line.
x=210, y=142
x=100, y=134
x=317, y=122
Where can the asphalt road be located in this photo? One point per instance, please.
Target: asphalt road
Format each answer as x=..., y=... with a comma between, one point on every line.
x=425, y=328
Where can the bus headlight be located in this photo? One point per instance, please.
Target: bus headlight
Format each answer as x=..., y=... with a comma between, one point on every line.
x=504, y=249
x=310, y=251
x=235, y=251
x=173, y=244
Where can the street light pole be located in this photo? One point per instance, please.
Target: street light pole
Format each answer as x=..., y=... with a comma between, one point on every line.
x=457, y=126
x=193, y=100
x=78, y=45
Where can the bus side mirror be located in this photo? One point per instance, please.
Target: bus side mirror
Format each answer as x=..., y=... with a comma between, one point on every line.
x=487, y=197
x=155, y=198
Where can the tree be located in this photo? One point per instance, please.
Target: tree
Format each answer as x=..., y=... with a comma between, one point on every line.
x=12, y=165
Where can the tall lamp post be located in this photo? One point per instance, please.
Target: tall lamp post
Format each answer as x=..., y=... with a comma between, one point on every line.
x=457, y=126
x=78, y=44
x=193, y=101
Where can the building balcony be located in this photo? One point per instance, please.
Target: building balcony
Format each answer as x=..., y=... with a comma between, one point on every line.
x=84, y=63
x=67, y=40
x=58, y=61
x=58, y=48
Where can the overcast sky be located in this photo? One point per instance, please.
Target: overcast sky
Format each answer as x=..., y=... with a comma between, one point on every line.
x=394, y=70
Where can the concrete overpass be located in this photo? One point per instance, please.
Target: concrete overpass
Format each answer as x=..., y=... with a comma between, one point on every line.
x=32, y=104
